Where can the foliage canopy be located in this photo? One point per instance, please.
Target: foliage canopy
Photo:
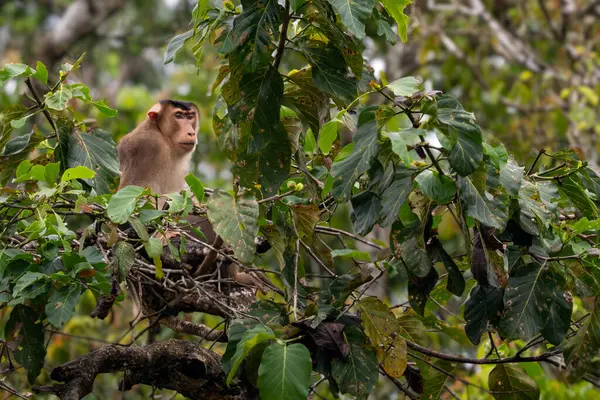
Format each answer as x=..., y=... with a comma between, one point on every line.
x=527, y=269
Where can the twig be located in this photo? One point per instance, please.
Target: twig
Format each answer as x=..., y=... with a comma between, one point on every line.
x=542, y=151
x=283, y=37
x=317, y=259
x=276, y=197
x=40, y=104
x=334, y=231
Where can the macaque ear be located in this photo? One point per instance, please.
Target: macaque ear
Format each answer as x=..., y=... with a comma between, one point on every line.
x=154, y=112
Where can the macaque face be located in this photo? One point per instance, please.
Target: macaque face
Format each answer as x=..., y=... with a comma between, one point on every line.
x=178, y=122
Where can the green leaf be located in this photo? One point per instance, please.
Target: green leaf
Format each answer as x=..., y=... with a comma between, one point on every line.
x=79, y=172
x=571, y=187
x=485, y=208
x=396, y=10
x=249, y=340
x=196, y=187
x=28, y=279
x=419, y=289
x=482, y=308
x=175, y=44
x=269, y=168
x=328, y=135
x=122, y=204
x=32, y=350
x=583, y=348
x=284, y=372
x=41, y=73
x=253, y=103
x=305, y=218
x=147, y=215
x=236, y=221
x=511, y=176
x=406, y=86
x=366, y=207
x=347, y=171
x=97, y=151
x=354, y=13
x=456, y=281
x=105, y=109
x=378, y=320
x=61, y=304
x=250, y=37
x=358, y=373
x=460, y=126
x=124, y=257
x=58, y=99
x=438, y=188
x=330, y=72
x=395, y=195
x=414, y=257
x=19, y=123
x=51, y=171
x=509, y=382
x=435, y=379
x=536, y=302
x=355, y=254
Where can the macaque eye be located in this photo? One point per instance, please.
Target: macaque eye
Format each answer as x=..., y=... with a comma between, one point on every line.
x=191, y=116
x=179, y=115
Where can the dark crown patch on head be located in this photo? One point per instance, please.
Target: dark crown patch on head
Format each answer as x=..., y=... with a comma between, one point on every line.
x=183, y=105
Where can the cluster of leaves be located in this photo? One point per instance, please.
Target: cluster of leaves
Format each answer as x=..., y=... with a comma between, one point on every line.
x=530, y=253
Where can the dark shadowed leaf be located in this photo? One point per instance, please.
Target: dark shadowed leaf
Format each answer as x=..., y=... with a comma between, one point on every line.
x=32, y=349
x=357, y=374
x=581, y=349
x=481, y=205
x=419, y=289
x=509, y=382
x=438, y=188
x=365, y=212
x=395, y=195
x=435, y=379
x=347, y=171
x=175, y=44
x=535, y=303
x=456, y=281
x=483, y=307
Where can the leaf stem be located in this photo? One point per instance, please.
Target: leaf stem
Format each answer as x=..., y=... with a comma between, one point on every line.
x=40, y=105
x=542, y=151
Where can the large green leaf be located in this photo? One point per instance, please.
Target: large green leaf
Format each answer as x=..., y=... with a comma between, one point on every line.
x=395, y=195
x=537, y=205
x=460, y=125
x=175, y=44
x=32, y=350
x=269, y=168
x=310, y=103
x=357, y=374
x=330, y=72
x=284, y=372
x=581, y=350
x=438, y=188
x=97, y=151
x=365, y=212
x=249, y=340
x=28, y=279
x=482, y=206
x=406, y=86
x=61, y=304
x=235, y=219
x=572, y=188
x=254, y=102
x=435, y=379
x=511, y=176
x=347, y=171
x=535, y=302
x=509, y=382
x=251, y=34
x=122, y=204
x=396, y=10
x=482, y=308
x=354, y=13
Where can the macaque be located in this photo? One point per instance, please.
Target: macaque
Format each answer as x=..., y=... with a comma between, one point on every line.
x=157, y=154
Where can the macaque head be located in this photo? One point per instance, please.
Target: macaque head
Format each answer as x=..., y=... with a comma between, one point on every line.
x=178, y=122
